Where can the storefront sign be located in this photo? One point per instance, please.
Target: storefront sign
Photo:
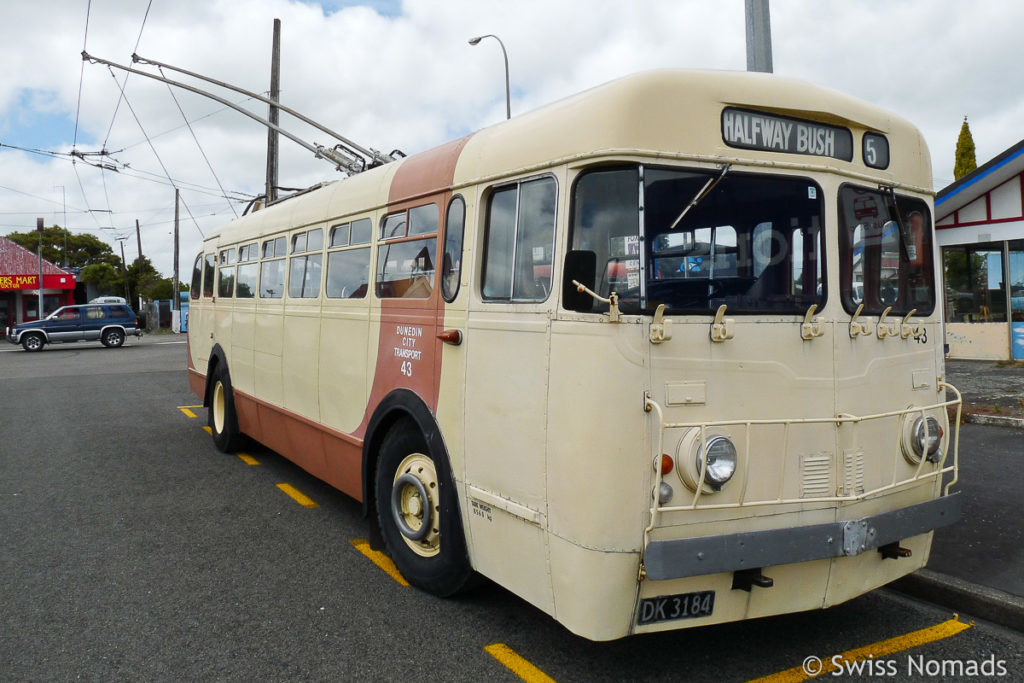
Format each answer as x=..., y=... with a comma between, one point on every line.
x=10, y=282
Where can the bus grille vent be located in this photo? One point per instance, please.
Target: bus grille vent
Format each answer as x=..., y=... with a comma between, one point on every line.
x=853, y=473
x=816, y=475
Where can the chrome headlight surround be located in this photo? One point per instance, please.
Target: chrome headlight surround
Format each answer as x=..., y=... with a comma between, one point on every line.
x=922, y=437
x=719, y=464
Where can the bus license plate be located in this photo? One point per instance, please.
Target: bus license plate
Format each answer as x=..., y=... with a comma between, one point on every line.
x=680, y=606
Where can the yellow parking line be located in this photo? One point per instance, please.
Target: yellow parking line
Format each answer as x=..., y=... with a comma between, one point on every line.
x=816, y=666
x=516, y=664
x=247, y=459
x=188, y=412
x=380, y=559
x=206, y=428
x=299, y=497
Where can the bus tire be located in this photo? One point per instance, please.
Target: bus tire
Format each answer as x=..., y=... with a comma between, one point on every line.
x=418, y=513
x=222, y=418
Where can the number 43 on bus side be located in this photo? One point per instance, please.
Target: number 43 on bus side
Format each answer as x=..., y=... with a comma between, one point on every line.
x=407, y=368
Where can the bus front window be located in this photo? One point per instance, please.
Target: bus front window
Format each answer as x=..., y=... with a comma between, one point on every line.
x=751, y=242
x=885, y=247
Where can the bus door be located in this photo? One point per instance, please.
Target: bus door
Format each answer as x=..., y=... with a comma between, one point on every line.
x=508, y=346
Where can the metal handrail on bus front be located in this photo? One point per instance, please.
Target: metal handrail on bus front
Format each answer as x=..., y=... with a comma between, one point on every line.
x=842, y=418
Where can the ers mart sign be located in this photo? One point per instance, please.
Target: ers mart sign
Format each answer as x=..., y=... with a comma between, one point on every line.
x=8, y=282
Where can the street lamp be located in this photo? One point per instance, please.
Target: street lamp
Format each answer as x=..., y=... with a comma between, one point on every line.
x=508, y=97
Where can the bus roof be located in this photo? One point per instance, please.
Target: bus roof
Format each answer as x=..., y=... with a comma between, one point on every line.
x=662, y=114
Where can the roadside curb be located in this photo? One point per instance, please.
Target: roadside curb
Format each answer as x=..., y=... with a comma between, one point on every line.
x=995, y=420
x=992, y=604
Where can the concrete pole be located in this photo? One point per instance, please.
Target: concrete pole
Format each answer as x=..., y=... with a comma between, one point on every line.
x=759, y=36
x=39, y=253
x=275, y=95
x=174, y=280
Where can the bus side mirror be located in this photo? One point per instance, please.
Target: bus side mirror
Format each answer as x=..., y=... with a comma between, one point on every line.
x=582, y=267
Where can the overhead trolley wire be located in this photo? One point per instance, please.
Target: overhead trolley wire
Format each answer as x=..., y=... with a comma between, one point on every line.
x=117, y=106
x=205, y=158
x=81, y=73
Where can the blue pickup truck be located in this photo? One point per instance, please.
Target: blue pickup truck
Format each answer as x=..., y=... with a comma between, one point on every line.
x=109, y=324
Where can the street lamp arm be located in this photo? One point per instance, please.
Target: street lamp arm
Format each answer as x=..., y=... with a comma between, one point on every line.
x=504, y=54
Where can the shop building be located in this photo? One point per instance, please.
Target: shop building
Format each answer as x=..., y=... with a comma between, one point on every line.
x=980, y=230
x=19, y=285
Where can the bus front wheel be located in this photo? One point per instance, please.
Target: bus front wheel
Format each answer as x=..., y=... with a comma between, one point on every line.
x=223, y=420
x=418, y=512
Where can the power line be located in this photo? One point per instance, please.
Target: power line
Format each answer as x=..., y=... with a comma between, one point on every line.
x=117, y=106
x=81, y=73
x=205, y=158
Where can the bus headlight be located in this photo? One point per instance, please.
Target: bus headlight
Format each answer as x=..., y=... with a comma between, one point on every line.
x=719, y=465
x=922, y=437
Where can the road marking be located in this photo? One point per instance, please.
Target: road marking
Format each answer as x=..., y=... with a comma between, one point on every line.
x=299, y=497
x=516, y=664
x=206, y=428
x=824, y=666
x=249, y=460
x=380, y=559
x=188, y=410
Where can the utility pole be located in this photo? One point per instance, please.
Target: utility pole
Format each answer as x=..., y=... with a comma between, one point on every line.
x=759, y=36
x=174, y=281
x=275, y=95
x=138, y=238
x=39, y=253
x=124, y=272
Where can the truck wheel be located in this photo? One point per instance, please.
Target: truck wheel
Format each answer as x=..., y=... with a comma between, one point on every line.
x=222, y=418
x=112, y=338
x=32, y=342
x=418, y=512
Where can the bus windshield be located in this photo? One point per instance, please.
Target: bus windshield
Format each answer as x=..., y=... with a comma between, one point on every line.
x=696, y=239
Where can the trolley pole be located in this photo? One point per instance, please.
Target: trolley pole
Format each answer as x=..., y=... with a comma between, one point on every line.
x=39, y=254
x=759, y=36
x=275, y=95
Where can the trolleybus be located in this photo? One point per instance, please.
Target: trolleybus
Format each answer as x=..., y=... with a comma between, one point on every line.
x=663, y=354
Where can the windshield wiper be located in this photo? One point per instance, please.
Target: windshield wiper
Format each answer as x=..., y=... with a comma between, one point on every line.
x=704, y=192
x=905, y=236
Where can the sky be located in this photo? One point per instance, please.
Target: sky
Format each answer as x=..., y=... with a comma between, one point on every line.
x=399, y=74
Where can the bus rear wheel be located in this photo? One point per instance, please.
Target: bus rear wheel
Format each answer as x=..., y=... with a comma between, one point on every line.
x=418, y=512
x=222, y=418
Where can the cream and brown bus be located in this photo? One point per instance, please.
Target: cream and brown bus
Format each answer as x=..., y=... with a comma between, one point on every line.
x=663, y=354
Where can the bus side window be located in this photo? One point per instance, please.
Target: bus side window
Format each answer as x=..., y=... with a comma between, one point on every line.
x=209, y=269
x=272, y=269
x=405, y=267
x=197, y=278
x=348, y=269
x=519, y=242
x=451, y=263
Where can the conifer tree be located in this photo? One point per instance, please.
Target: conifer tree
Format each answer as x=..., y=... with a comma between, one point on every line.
x=965, y=161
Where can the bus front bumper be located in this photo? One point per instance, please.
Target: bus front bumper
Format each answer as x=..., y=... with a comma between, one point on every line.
x=685, y=557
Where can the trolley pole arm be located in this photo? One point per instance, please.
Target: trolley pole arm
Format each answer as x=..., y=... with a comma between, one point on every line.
x=373, y=155
x=350, y=165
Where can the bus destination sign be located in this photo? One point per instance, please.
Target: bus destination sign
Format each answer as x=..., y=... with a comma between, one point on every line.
x=771, y=133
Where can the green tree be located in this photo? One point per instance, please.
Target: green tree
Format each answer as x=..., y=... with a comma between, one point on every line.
x=965, y=161
x=62, y=246
x=107, y=278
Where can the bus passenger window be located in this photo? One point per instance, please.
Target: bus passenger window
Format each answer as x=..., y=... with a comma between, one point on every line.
x=272, y=269
x=209, y=268
x=348, y=270
x=245, y=284
x=519, y=242
x=226, y=273
x=451, y=264
x=197, y=278
x=405, y=269
x=304, y=276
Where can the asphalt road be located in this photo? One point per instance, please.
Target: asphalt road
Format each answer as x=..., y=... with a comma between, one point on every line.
x=130, y=549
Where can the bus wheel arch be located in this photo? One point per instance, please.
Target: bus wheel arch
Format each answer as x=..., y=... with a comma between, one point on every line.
x=220, y=402
x=409, y=483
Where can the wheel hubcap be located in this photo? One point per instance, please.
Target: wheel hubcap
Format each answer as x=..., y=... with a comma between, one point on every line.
x=218, y=407
x=415, y=505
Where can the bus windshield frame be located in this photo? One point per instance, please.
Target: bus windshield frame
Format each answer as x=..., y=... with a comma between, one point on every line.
x=750, y=241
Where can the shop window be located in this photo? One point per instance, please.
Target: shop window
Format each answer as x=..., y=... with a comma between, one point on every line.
x=975, y=292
